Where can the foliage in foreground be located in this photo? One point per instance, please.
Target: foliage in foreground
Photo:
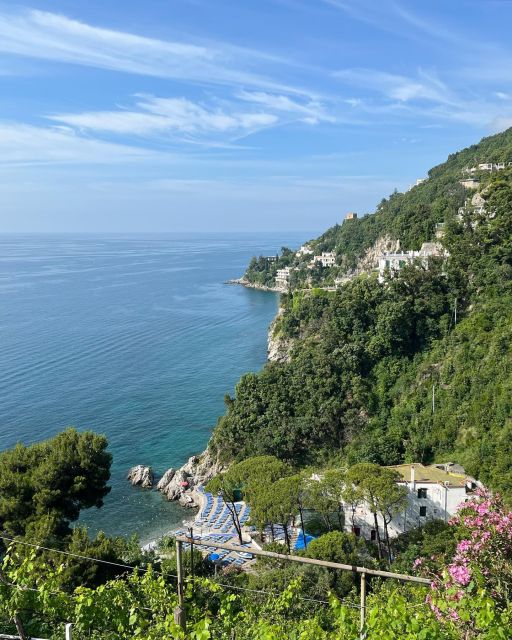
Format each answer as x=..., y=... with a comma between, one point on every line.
x=468, y=598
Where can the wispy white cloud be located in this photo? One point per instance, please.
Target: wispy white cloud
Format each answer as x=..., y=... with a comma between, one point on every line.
x=176, y=115
x=424, y=97
x=26, y=144
x=310, y=111
x=426, y=86
x=500, y=123
x=50, y=36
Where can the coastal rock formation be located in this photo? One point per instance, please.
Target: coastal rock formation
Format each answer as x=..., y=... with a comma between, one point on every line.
x=141, y=476
x=198, y=470
x=165, y=480
x=370, y=260
x=278, y=348
x=255, y=285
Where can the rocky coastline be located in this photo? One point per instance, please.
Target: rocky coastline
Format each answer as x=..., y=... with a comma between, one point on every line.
x=255, y=285
x=180, y=484
x=279, y=348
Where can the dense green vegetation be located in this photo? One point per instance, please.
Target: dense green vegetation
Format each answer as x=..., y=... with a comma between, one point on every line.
x=417, y=368
x=44, y=486
x=368, y=358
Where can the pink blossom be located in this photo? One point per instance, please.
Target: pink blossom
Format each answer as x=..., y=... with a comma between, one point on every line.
x=454, y=615
x=463, y=546
x=460, y=574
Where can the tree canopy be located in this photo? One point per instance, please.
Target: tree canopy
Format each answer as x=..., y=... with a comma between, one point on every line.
x=44, y=486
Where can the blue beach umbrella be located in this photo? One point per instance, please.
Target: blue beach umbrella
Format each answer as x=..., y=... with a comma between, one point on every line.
x=302, y=540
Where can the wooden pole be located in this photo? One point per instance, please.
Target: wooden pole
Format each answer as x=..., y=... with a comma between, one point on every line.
x=363, y=605
x=179, y=611
x=191, y=535
x=319, y=563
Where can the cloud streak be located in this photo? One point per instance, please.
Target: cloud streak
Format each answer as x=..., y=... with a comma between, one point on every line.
x=178, y=115
x=50, y=36
x=22, y=144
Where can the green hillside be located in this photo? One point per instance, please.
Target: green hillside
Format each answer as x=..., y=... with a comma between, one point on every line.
x=415, y=366
x=409, y=217
x=368, y=357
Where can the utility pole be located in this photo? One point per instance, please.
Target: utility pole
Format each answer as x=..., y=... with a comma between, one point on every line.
x=302, y=523
x=363, y=605
x=179, y=611
x=191, y=534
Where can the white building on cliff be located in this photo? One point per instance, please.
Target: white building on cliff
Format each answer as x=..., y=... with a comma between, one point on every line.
x=434, y=492
x=327, y=259
x=283, y=277
x=394, y=261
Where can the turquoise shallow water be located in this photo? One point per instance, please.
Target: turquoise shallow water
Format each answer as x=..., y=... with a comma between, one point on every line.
x=136, y=337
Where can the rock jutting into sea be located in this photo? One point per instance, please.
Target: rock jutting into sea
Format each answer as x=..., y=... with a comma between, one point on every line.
x=165, y=480
x=179, y=484
x=255, y=285
x=141, y=476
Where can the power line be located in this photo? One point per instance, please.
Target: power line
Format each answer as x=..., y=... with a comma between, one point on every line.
x=126, y=566
x=269, y=593
x=80, y=556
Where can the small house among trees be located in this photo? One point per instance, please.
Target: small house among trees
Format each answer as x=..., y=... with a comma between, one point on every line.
x=433, y=492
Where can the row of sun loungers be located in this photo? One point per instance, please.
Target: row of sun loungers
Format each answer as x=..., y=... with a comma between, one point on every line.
x=216, y=518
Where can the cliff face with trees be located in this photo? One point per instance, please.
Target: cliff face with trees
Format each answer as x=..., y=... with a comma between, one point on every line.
x=415, y=368
x=368, y=358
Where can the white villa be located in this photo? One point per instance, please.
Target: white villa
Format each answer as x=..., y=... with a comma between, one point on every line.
x=327, y=259
x=305, y=250
x=283, y=277
x=487, y=166
x=396, y=260
x=434, y=492
x=417, y=183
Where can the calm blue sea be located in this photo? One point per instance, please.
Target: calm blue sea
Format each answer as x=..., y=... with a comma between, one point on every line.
x=135, y=337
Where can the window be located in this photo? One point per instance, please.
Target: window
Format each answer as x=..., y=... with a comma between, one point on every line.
x=356, y=531
x=423, y=512
x=373, y=535
x=422, y=494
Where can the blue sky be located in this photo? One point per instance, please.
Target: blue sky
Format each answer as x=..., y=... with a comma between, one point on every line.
x=184, y=115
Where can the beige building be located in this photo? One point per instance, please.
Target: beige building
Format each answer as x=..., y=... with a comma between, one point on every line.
x=351, y=216
x=469, y=183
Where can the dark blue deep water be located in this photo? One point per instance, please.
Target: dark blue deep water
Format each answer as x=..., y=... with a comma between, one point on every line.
x=135, y=337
